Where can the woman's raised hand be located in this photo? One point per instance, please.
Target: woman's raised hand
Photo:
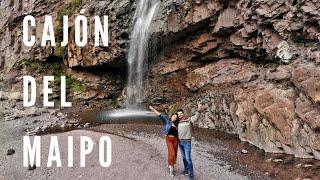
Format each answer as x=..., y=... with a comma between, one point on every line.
x=154, y=110
x=151, y=108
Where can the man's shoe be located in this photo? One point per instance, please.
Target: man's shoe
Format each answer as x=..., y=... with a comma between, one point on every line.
x=191, y=177
x=185, y=173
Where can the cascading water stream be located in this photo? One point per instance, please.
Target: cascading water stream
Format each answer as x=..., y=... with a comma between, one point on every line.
x=137, y=69
x=138, y=52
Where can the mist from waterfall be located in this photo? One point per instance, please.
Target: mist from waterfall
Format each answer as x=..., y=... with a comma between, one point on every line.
x=138, y=52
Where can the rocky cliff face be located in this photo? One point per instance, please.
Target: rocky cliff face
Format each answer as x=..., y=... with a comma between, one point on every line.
x=13, y=12
x=254, y=63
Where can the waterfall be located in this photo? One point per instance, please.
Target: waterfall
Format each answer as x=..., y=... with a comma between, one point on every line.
x=138, y=52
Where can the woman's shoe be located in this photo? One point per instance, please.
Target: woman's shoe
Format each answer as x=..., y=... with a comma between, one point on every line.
x=171, y=174
x=171, y=171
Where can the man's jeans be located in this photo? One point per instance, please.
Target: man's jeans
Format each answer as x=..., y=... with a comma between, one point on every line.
x=185, y=148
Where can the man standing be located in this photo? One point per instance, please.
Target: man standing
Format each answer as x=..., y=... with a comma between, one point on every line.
x=184, y=134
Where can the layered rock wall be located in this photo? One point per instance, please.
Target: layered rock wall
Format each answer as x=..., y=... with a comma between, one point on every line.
x=255, y=66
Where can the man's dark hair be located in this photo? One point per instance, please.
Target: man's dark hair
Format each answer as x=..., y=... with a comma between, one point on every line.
x=180, y=110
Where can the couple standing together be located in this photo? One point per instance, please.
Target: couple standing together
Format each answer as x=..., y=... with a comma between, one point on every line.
x=178, y=133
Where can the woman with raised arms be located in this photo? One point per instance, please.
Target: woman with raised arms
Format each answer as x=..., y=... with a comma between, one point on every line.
x=170, y=127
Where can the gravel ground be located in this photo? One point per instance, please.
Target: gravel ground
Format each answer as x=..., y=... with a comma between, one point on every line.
x=139, y=152
x=135, y=155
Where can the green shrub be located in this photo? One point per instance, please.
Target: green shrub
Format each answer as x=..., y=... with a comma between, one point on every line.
x=55, y=69
x=267, y=64
x=60, y=52
x=75, y=85
x=76, y=3
x=26, y=62
x=67, y=10
x=109, y=102
x=191, y=3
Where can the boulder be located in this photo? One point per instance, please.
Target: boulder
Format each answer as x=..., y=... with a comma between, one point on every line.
x=15, y=96
x=305, y=77
x=226, y=20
